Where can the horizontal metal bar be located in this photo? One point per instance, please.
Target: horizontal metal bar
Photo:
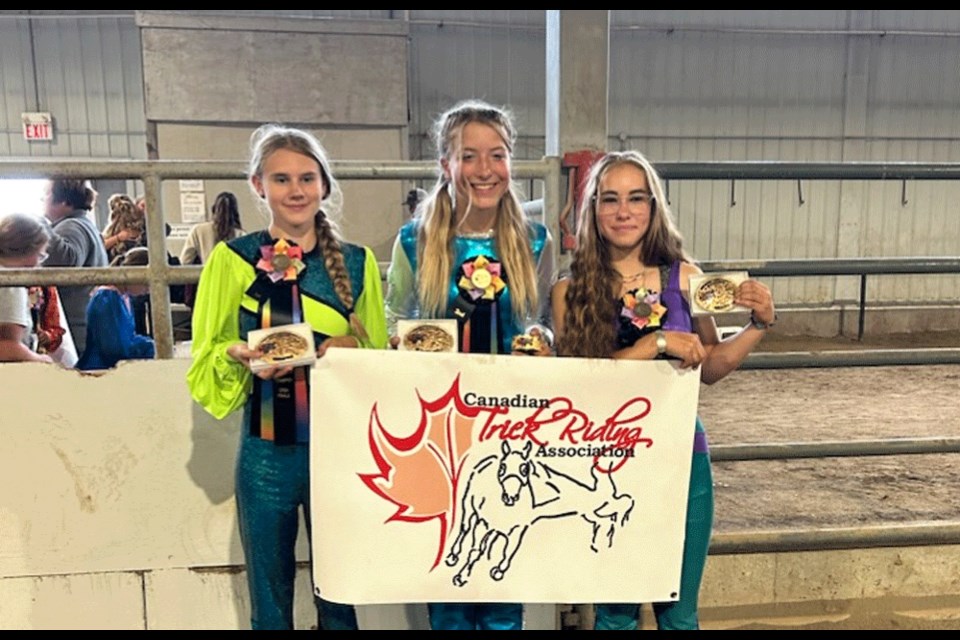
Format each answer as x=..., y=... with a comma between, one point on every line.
x=97, y=275
x=853, y=358
x=838, y=266
x=419, y=169
x=835, y=448
x=773, y=170
x=906, y=535
x=825, y=267
x=218, y=170
x=828, y=266
x=122, y=169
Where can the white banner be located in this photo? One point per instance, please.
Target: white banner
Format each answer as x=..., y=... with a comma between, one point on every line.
x=479, y=478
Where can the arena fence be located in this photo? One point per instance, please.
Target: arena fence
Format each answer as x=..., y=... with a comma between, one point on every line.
x=159, y=276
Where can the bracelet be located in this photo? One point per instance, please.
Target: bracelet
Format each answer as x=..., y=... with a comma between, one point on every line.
x=661, y=342
x=763, y=326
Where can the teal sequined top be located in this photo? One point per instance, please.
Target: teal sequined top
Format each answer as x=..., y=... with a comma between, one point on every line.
x=479, y=291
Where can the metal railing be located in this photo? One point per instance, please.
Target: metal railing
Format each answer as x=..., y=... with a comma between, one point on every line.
x=840, y=267
x=845, y=267
x=159, y=275
x=833, y=538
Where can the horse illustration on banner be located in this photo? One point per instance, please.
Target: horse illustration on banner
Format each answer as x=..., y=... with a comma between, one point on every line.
x=507, y=493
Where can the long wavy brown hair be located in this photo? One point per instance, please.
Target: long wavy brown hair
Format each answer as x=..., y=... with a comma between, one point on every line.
x=589, y=324
x=124, y=214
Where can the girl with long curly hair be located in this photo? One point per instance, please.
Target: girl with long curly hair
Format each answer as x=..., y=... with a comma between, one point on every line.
x=630, y=264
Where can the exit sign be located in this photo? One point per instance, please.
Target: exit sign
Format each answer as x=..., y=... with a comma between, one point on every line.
x=37, y=126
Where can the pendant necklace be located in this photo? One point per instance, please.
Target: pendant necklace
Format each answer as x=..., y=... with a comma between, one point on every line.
x=633, y=278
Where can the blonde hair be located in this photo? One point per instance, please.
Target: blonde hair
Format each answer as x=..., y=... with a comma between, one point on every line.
x=270, y=138
x=438, y=219
x=589, y=328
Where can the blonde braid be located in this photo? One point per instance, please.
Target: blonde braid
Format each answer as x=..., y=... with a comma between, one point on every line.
x=337, y=268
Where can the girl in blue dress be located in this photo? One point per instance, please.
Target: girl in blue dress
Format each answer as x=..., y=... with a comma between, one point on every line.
x=470, y=253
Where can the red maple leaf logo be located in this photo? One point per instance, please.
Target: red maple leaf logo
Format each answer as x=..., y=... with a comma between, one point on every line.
x=421, y=472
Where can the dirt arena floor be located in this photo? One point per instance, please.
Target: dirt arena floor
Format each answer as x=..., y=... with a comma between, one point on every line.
x=845, y=403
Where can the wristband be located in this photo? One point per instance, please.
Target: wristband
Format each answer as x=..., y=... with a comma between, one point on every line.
x=763, y=326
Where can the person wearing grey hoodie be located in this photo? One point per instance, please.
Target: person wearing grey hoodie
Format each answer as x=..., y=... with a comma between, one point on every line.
x=74, y=242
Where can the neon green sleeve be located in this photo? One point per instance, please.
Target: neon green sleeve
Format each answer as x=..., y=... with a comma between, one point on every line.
x=217, y=382
x=401, y=299
x=369, y=306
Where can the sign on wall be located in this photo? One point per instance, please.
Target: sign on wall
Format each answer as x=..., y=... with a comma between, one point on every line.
x=452, y=477
x=37, y=126
x=193, y=206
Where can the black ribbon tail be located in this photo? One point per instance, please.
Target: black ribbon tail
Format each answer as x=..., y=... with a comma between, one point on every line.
x=462, y=309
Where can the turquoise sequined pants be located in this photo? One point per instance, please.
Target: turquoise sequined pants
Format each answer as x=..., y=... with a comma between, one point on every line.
x=273, y=483
x=476, y=617
x=681, y=614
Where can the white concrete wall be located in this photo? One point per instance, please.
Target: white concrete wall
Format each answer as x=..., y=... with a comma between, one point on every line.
x=117, y=512
x=117, y=508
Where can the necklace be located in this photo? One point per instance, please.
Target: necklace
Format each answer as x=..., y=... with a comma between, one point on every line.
x=475, y=235
x=633, y=278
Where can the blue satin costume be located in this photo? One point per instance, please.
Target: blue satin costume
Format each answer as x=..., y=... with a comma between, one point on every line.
x=682, y=614
x=401, y=303
x=111, y=333
x=272, y=476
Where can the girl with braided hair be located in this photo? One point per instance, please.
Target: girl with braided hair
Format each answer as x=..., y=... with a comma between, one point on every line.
x=296, y=270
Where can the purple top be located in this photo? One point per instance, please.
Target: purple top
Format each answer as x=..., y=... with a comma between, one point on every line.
x=677, y=316
x=678, y=308
x=677, y=319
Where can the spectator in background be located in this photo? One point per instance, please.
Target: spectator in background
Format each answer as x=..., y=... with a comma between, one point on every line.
x=223, y=226
x=127, y=227
x=111, y=330
x=22, y=243
x=135, y=212
x=50, y=325
x=414, y=198
x=74, y=242
x=141, y=205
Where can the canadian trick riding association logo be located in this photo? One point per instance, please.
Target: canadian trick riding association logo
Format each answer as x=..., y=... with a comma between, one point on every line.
x=487, y=497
